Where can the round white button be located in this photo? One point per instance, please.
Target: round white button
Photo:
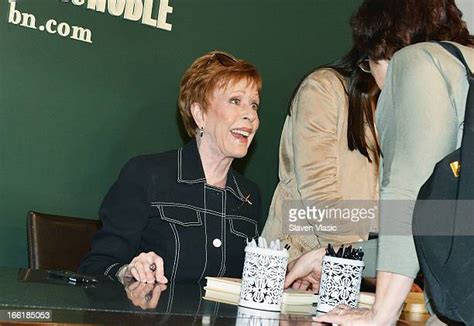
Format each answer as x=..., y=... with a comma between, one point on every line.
x=217, y=243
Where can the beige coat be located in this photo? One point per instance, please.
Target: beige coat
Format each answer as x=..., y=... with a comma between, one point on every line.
x=315, y=163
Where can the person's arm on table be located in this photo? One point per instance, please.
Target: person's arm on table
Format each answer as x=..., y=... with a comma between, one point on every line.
x=304, y=273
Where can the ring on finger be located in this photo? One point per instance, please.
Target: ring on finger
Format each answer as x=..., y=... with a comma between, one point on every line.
x=148, y=296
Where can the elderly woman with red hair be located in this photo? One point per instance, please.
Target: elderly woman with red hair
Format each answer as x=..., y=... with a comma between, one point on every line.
x=186, y=214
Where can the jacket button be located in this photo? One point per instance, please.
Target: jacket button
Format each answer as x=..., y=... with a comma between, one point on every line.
x=217, y=243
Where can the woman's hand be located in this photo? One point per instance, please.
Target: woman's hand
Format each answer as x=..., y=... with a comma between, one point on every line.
x=144, y=295
x=392, y=290
x=146, y=268
x=304, y=273
x=345, y=315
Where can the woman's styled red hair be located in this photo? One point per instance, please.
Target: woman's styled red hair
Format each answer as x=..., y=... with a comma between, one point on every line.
x=213, y=69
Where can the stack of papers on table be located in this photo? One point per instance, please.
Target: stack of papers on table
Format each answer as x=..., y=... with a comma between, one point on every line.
x=227, y=290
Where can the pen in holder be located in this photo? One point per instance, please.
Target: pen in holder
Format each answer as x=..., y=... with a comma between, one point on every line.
x=340, y=283
x=263, y=278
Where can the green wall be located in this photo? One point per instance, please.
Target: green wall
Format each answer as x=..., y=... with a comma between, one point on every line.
x=71, y=112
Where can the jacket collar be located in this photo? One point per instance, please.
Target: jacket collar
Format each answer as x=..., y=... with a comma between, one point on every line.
x=190, y=171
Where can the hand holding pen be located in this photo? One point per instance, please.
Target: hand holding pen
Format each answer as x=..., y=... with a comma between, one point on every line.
x=146, y=268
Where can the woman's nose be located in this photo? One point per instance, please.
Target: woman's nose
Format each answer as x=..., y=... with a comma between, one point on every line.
x=250, y=113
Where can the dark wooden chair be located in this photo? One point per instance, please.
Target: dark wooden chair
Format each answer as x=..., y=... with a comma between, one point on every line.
x=58, y=242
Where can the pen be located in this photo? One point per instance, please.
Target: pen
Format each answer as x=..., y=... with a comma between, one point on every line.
x=345, y=252
x=71, y=277
x=331, y=251
x=339, y=251
x=348, y=252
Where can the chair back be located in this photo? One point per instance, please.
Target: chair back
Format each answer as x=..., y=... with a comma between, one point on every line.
x=58, y=242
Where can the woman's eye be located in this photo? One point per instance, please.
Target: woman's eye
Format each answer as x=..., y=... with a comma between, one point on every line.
x=235, y=101
x=255, y=106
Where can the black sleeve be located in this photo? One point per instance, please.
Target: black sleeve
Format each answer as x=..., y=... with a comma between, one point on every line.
x=124, y=213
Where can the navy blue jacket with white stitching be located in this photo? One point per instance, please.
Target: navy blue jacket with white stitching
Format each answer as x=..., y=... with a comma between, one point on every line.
x=161, y=203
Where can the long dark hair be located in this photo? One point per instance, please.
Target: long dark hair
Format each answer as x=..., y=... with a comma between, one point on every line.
x=382, y=27
x=362, y=92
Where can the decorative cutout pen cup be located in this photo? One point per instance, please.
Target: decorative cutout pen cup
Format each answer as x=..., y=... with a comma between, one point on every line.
x=341, y=277
x=263, y=276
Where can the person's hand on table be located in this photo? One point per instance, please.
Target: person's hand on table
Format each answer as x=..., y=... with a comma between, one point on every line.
x=146, y=268
x=304, y=273
x=143, y=295
x=347, y=316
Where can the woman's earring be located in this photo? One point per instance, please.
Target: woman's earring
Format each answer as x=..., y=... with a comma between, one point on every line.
x=201, y=131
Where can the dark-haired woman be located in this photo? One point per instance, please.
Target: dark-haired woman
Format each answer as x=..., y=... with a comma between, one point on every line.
x=419, y=118
x=328, y=154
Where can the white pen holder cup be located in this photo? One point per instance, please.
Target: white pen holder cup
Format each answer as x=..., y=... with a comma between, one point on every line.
x=263, y=278
x=340, y=283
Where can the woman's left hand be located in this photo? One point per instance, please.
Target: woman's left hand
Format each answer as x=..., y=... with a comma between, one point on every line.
x=305, y=272
x=144, y=295
x=345, y=315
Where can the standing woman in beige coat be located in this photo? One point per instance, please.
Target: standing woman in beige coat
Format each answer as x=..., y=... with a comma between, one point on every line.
x=328, y=152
